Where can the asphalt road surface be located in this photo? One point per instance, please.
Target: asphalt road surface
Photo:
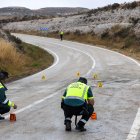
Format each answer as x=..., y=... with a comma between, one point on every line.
x=117, y=103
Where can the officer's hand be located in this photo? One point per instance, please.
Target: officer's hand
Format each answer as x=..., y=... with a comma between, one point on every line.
x=15, y=106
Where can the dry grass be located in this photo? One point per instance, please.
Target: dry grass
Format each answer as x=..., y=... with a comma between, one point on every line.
x=10, y=59
x=31, y=60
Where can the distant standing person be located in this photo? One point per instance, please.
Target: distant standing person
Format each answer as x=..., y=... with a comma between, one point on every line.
x=61, y=35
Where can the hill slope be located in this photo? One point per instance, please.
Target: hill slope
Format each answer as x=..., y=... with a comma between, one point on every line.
x=61, y=11
x=10, y=14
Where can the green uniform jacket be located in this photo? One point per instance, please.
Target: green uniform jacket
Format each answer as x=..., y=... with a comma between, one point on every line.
x=3, y=98
x=2, y=92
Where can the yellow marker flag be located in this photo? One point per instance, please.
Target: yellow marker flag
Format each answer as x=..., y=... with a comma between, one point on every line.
x=43, y=77
x=78, y=74
x=95, y=76
x=100, y=84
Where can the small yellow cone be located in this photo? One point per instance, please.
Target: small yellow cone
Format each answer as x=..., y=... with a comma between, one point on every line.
x=78, y=74
x=43, y=77
x=100, y=84
x=95, y=76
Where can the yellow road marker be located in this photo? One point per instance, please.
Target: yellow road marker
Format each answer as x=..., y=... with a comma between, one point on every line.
x=78, y=74
x=95, y=76
x=43, y=77
x=100, y=84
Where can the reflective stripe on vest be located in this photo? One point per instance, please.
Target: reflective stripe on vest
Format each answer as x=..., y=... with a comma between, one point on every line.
x=74, y=97
x=77, y=89
x=6, y=100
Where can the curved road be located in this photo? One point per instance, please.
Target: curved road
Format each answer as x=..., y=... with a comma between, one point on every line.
x=39, y=116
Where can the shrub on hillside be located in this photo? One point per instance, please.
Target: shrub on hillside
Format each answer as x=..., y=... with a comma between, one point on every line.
x=13, y=38
x=115, y=6
x=105, y=34
x=10, y=59
x=17, y=42
x=134, y=20
x=131, y=5
x=120, y=31
x=128, y=42
x=77, y=32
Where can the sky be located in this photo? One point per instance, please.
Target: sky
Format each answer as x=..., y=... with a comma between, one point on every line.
x=36, y=4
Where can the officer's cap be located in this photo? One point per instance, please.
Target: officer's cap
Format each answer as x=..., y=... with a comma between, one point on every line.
x=3, y=75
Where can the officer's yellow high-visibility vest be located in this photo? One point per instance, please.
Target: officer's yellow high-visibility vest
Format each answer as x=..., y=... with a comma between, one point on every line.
x=61, y=33
x=77, y=90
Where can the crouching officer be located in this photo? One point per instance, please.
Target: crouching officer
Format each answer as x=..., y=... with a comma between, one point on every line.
x=5, y=104
x=77, y=100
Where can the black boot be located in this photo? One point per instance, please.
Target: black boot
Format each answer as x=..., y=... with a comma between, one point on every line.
x=68, y=125
x=80, y=126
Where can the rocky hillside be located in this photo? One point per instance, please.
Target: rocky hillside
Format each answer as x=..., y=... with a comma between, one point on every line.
x=96, y=21
x=61, y=11
x=10, y=14
x=15, y=11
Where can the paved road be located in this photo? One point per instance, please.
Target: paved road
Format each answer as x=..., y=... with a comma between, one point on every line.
x=39, y=116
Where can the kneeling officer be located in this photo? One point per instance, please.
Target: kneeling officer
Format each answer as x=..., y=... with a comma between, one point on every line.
x=77, y=100
x=5, y=104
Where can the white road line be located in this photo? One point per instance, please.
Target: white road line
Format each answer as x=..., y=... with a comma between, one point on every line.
x=56, y=59
x=135, y=127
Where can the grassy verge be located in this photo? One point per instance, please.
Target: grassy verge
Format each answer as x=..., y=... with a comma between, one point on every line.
x=31, y=60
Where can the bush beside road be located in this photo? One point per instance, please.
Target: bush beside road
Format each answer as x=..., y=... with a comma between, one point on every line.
x=22, y=60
